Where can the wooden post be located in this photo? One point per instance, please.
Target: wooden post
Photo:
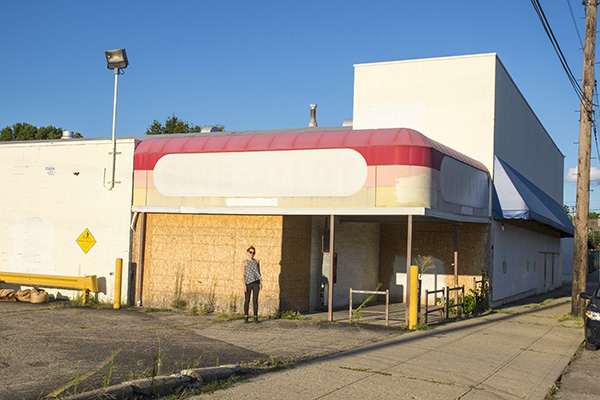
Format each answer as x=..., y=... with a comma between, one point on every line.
x=408, y=263
x=140, y=267
x=583, y=162
x=455, y=255
x=330, y=295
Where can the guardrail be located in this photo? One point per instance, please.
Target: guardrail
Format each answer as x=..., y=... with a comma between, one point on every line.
x=434, y=307
x=456, y=304
x=84, y=283
x=387, y=304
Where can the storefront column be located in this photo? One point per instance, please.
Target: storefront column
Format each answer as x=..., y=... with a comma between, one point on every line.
x=330, y=278
x=456, y=256
x=408, y=263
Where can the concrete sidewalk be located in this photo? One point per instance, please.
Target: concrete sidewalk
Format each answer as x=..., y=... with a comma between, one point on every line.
x=517, y=352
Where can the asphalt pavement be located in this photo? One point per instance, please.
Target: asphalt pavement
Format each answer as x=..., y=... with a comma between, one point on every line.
x=517, y=352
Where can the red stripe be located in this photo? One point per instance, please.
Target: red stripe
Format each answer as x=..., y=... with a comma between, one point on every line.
x=378, y=147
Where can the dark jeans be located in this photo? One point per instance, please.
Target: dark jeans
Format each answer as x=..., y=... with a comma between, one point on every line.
x=253, y=287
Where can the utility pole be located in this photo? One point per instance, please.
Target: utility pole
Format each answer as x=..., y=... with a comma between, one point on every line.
x=580, y=254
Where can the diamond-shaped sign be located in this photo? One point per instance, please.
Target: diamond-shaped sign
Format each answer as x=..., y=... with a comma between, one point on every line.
x=86, y=241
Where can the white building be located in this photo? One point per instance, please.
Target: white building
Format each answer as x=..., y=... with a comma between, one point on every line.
x=471, y=104
x=449, y=145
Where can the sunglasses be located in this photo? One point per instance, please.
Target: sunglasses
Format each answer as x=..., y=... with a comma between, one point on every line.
x=251, y=252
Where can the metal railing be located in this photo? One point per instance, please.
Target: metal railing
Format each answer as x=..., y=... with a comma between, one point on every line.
x=456, y=303
x=372, y=292
x=84, y=283
x=435, y=307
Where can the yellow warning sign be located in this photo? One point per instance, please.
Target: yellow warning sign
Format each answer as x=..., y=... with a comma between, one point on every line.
x=86, y=241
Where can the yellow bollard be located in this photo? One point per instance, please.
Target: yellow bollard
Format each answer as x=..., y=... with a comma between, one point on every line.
x=118, y=279
x=413, y=306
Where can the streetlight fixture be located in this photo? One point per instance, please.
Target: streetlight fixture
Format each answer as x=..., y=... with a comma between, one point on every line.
x=117, y=61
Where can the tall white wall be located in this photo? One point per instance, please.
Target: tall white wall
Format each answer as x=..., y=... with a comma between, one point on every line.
x=450, y=100
x=522, y=141
x=522, y=263
x=54, y=191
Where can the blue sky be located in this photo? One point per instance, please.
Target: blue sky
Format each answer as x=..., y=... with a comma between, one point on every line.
x=258, y=65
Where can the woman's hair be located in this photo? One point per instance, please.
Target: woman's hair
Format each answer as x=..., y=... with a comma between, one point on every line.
x=251, y=248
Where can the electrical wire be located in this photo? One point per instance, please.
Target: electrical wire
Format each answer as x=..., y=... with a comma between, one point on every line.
x=575, y=24
x=594, y=121
x=546, y=25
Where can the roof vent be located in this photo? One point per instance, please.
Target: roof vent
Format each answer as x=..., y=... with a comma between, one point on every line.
x=348, y=123
x=68, y=135
x=208, y=129
x=313, y=116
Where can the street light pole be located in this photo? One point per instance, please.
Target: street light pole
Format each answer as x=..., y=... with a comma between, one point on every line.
x=116, y=60
x=114, y=125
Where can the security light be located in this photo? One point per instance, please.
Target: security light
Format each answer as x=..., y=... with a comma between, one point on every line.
x=116, y=58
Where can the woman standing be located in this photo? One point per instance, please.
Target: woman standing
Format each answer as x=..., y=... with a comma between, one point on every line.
x=252, y=282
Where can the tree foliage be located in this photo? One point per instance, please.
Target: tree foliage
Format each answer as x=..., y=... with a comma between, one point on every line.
x=174, y=124
x=25, y=131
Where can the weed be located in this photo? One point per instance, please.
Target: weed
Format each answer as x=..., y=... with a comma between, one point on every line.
x=76, y=383
x=106, y=380
x=292, y=315
x=421, y=326
x=156, y=364
x=477, y=302
x=231, y=317
x=206, y=388
x=576, y=322
x=367, y=370
x=178, y=304
x=357, y=312
x=232, y=303
x=153, y=309
x=92, y=302
x=425, y=263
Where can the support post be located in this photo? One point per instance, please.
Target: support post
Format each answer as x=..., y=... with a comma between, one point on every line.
x=140, y=267
x=118, y=281
x=455, y=255
x=583, y=162
x=414, y=307
x=331, y=251
x=408, y=263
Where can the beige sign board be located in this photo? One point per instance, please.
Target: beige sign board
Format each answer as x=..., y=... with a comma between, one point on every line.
x=86, y=241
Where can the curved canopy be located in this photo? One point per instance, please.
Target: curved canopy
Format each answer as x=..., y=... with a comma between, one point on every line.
x=378, y=147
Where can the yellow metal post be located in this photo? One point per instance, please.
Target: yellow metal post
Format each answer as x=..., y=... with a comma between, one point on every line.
x=413, y=306
x=118, y=279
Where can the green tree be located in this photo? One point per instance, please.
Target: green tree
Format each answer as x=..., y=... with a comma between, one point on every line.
x=594, y=215
x=25, y=131
x=175, y=124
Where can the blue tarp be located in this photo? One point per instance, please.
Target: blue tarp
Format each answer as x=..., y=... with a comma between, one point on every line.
x=515, y=197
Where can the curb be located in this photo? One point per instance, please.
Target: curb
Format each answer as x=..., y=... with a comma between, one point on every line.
x=159, y=385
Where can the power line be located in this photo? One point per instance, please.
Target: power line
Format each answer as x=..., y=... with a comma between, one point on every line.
x=575, y=24
x=546, y=25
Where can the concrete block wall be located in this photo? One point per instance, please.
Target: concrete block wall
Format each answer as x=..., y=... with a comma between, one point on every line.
x=357, y=245
x=55, y=190
x=435, y=241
